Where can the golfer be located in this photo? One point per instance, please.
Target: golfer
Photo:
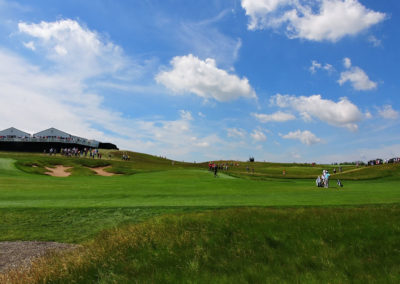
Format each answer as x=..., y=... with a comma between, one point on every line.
x=327, y=175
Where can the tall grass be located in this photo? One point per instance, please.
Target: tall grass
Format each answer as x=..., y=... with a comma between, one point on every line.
x=248, y=245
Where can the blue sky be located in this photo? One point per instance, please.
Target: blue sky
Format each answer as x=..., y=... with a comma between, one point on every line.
x=280, y=80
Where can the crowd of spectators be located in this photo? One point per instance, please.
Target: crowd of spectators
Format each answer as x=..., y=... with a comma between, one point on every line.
x=76, y=152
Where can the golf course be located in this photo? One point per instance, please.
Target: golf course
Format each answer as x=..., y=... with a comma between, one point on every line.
x=153, y=220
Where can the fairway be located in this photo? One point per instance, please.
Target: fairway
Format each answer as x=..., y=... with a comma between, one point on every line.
x=182, y=187
x=75, y=209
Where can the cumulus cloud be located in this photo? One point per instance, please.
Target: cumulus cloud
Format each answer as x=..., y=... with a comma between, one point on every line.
x=258, y=10
x=315, y=20
x=258, y=135
x=189, y=74
x=388, y=112
x=356, y=76
x=347, y=62
x=342, y=113
x=236, y=132
x=74, y=47
x=306, y=137
x=274, y=117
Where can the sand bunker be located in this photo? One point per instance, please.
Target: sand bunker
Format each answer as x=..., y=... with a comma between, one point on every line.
x=21, y=254
x=58, y=171
x=101, y=171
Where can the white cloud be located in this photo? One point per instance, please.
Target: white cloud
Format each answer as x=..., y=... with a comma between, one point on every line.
x=236, y=132
x=74, y=47
x=186, y=115
x=203, y=144
x=306, y=137
x=315, y=65
x=328, y=67
x=315, y=20
x=388, y=112
x=274, y=117
x=30, y=45
x=32, y=100
x=342, y=114
x=356, y=76
x=258, y=10
x=358, y=79
x=258, y=135
x=368, y=115
x=375, y=41
x=347, y=62
x=189, y=74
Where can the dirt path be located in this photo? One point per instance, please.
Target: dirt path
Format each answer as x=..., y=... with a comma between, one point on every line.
x=58, y=171
x=101, y=171
x=21, y=254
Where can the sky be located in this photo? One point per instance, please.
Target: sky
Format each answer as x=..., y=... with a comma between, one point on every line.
x=277, y=80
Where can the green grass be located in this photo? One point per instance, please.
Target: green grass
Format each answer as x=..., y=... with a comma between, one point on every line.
x=312, y=228
x=32, y=205
x=72, y=225
x=249, y=245
x=185, y=188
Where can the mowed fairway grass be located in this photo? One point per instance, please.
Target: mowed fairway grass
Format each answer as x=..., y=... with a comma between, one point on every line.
x=160, y=221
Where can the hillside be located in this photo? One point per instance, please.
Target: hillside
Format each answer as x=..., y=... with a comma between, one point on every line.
x=140, y=163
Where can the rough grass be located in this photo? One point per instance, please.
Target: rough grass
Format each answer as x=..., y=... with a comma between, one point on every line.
x=78, y=224
x=248, y=245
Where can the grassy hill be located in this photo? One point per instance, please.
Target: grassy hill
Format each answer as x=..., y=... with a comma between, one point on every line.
x=296, y=231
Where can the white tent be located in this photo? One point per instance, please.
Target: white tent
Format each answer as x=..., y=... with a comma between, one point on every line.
x=13, y=133
x=52, y=133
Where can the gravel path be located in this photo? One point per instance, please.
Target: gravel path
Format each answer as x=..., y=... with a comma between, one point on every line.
x=20, y=254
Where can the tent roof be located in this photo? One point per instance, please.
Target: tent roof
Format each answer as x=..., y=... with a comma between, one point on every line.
x=13, y=132
x=52, y=132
